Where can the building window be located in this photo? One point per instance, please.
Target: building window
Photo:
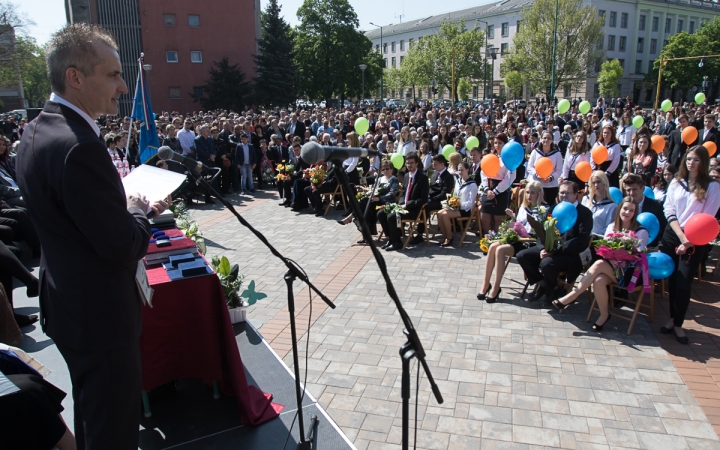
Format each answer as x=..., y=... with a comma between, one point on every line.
x=613, y=19
x=638, y=66
x=169, y=20
x=566, y=90
x=668, y=25
x=641, y=44
x=665, y=42
x=653, y=46
x=596, y=91
x=503, y=49
x=597, y=67
x=621, y=45
x=196, y=57
x=692, y=27
x=197, y=91
x=505, y=29
x=171, y=57
x=622, y=63
x=623, y=20
x=392, y=46
x=656, y=23
x=517, y=26
x=401, y=60
x=420, y=91
x=377, y=47
x=476, y=91
x=651, y=63
x=193, y=20
x=385, y=47
x=641, y=24
x=611, y=43
x=402, y=46
x=601, y=14
x=174, y=93
x=491, y=31
x=681, y=25
x=410, y=43
x=385, y=63
x=394, y=62
x=601, y=43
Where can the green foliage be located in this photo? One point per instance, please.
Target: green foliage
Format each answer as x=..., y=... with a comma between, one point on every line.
x=514, y=82
x=609, y=77
x=431, y=57
x=33, y=71
x=230, y=279
x=685, y=74
x=394, y=79
x=464, y=89
x=277, y=81
x=580, y=33
x=15, y=48
x=226, y=88
x=190, y=228
x=329, y=50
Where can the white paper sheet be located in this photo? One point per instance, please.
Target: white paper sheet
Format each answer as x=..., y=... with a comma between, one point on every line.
x=152, y=182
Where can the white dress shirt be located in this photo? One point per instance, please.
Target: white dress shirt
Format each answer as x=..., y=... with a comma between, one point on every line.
x=57, y=99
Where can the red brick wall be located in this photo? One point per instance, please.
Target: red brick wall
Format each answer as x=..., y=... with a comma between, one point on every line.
x=227, y=29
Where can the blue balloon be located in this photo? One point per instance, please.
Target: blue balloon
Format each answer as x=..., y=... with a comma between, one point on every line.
x=649, y=192
x=651, y=224
x=566, y=215
x=661, y=265
x=512, y=155
x=616, y=195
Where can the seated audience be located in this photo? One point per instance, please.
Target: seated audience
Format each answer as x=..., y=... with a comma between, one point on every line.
x=599, y=202
x=467, y=191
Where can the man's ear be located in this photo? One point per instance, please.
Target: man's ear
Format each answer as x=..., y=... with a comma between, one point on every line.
x=74, y=78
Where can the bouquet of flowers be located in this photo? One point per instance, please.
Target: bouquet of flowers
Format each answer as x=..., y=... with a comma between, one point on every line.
x=284, y=171
x=393, y=207
x=509, y=232
x=317, y=175
x=622, y=251
x=452, y=202
x=381, y=189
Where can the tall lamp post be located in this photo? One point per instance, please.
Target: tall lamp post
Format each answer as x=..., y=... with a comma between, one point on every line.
x=493, y=55
x=552, y=82
x=485, y=64
x=362, y=69
x=382, y=87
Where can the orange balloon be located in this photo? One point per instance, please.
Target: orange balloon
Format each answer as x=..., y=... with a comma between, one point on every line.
x=689, y=135
x=658, y=144
x=543, y=167
x=490, y=164
x=600, y=154
x=583, y=171
x=711, y=147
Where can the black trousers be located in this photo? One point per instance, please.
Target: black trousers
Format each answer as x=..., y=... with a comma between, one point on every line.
x=285, y=189
x=299, y=197
x=546, y=270
x=371, y=216
x=550, y=195
x=10, y=266
x=24, y=229
x=680, y=282
x=431, y=206
x=316, y=195
x=226, y=179
x=389, y=224
x=107, y=389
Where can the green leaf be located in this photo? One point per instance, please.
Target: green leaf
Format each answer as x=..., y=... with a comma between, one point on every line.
x=225, y=266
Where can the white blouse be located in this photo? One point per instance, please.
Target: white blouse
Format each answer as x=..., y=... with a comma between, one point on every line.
x=557, y=160
x=681, y=204
x=467, y=192
x=572, y=160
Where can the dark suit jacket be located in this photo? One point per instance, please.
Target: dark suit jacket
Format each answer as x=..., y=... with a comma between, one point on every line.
x=204, y=147
x=712, y=136
x=677, y=146
x=418, y=194
x=393, y=186
x=578, y=237
x=299, y=129
x=667, y=128
x=240, y=155
x=441, y=186
x=91, y=242
x=655, y=208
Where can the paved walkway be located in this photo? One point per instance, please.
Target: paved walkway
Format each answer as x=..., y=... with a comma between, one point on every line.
x=513, y=374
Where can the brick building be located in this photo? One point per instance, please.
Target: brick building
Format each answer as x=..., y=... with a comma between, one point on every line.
x=180, y=38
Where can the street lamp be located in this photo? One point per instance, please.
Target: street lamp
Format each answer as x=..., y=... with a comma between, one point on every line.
x=382, y=87
x=362, y=69
x=492, y=51
x=485, y=63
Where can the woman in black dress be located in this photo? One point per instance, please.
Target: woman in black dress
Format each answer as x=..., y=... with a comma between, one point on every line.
x=496, y=190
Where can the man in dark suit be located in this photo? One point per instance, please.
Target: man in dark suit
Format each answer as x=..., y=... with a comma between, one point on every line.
x=669, y=125
x=245, y=161
x=414, y=195
x=285, y=187
x=296, y=127
x=677, y=146
x=442, y=184
x=541, y=266
x=634, y=186
x=476, y=157
x=710, y=132
x=206, y=154
x=225, y=153
x=92, y=237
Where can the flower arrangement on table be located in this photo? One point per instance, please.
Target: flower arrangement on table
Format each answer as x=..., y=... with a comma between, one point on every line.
x=623, y=251
x=284, y=171
x=452, y=203
x=316, y=175
x=509, y=232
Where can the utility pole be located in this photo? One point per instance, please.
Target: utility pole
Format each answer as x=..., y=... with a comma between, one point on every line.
x=485, y=62
x=382, y=52
x=552, y=82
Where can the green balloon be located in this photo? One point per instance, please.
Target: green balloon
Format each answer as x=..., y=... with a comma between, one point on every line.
x=638, y=121
x=563, y=106
x=362, y=125
x=699, y=98
x=397, y=160
x=448, y=150
x=472, y=142
x=584, y=107
x=666, y=105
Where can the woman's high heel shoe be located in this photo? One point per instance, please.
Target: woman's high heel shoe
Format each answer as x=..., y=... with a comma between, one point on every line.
x=598, y=328
x=560, y=306
x=346, y=220
x=482, y=296
x=494, y=299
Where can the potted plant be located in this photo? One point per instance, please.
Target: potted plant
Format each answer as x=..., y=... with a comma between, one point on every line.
x=230, y=280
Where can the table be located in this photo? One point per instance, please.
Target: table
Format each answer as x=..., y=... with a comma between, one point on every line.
x=187, y=334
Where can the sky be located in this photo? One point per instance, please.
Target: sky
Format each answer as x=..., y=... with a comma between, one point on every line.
x=49, y=15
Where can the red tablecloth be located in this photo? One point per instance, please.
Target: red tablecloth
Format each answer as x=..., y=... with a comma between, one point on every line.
x=187, y=334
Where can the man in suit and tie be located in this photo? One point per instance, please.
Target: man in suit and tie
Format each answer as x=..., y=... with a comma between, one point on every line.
x=710, y=132
x=476, y=157
x=245, y=160
x=677, y=146
x=414, y=195
x=669, y=125
x=634, y=186
x=442, y=184
x=542, y=266
x=92, y=237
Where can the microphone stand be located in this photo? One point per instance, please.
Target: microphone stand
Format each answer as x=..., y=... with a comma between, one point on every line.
x=413, y=347
x=294, y=272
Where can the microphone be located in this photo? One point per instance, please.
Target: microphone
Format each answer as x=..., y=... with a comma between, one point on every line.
x=166, y=153
x=313, y=153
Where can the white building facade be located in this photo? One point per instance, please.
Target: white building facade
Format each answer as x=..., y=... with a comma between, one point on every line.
x=635, y=33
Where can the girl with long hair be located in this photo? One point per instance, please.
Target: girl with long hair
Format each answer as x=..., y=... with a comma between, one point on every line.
x=643, y=159
x=612, y=165
x=589, y=131
x=547, y=149
x=405, y=144
x=578, y=151
x=599, y=202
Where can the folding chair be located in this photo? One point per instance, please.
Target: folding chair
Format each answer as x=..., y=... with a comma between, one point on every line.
x=636, y=302
x=421, y=218
x=333, y=198
x=474, y=215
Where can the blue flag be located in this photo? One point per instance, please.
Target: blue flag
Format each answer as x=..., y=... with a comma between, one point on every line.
x=142, y=111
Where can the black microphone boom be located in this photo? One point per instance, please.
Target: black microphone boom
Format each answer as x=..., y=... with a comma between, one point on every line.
x=166, y=153
x=313, y=153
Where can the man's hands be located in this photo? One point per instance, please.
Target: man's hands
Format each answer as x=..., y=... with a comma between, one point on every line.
x=158, y=207
x=139, y=201
x=544, y=254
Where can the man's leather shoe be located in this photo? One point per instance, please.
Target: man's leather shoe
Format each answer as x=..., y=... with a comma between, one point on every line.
x=415, y=240
x=393, y=247
x=386, y=245
x=539, y=293
x=23, y=320
x=319, y=212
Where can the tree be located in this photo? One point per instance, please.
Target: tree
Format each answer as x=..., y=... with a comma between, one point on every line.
x=12, y=24
x=464, y=89
x=329, y=50
x=580, y=36
x=395, y=80
x=431, y=57
x=277, y=81
x=226, y=88
x=609, y=77
x=33, y=71
x=514, y=82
